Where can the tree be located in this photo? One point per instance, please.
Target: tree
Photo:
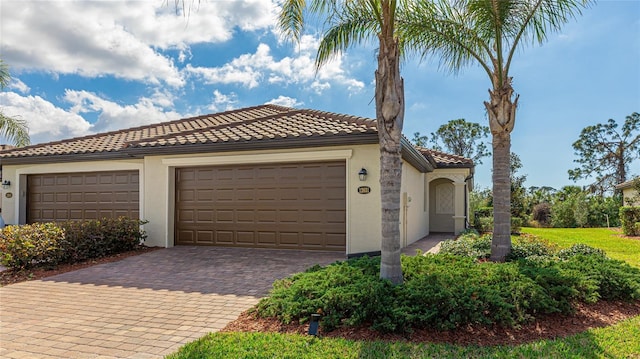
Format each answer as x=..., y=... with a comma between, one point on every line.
x=605, y=152
x=458, y=137
x=13, y=129
x=488, y=32
x=352, y=22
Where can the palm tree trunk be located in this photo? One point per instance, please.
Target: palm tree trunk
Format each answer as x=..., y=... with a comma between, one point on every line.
x=390, y=116
x=502, y=114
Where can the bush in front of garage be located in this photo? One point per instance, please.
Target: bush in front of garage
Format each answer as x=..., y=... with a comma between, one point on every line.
x=50, y=244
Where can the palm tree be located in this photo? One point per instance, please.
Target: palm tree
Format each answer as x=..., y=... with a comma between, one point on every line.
x=352, y=22
x=14, y=129
x=488, y=32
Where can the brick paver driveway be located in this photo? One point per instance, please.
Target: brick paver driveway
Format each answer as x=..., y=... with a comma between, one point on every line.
x=144, y=306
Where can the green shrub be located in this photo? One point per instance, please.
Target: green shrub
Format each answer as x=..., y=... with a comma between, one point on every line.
x=447, y=291
x=99, y=238
x=527, y=245
x=610, y=279
x=629, y=217
x=31, y=245
x=580, y=249
x=50, y=244
x=516, y=225
x=470, y=245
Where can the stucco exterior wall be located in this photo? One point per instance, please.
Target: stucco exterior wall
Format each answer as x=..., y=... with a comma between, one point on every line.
x=157, y=187
x=454, y=181
x=363, y=210
x=414, y=213
x=630, y=196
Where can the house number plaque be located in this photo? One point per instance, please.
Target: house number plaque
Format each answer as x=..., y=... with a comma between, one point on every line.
x=364, y=189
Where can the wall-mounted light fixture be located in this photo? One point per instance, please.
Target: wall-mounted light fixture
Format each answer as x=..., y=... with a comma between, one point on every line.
x=363, y=174
x=6, y=184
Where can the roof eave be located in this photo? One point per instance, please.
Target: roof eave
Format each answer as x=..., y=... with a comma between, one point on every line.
x=414, y=157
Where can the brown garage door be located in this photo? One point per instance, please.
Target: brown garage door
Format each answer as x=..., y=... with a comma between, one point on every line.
x=288, y=206
x=81, y=196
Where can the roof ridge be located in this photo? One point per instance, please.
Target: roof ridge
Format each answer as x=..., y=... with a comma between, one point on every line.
x=221, y=125
x=140, y=128
x=344, y=117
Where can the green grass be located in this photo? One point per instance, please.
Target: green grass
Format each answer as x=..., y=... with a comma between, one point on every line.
x=618, y=341
x=608, y=240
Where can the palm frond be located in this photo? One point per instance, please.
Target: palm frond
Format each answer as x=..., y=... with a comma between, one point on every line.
x=350, y=26
x=15, y=130
x=5, y=77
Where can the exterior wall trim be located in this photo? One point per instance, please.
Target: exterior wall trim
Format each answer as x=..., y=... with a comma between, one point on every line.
x=259, y=158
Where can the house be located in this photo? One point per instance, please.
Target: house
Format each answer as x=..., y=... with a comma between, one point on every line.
x=630, y=195
x=266, y=176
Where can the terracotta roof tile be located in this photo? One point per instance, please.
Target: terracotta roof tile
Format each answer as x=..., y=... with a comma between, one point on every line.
x=249, y=124
x=443, y=159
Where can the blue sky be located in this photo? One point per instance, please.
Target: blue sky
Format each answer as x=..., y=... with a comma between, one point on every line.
x=81, y=67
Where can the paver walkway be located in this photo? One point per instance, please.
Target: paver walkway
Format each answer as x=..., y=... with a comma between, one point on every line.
x=144, y=306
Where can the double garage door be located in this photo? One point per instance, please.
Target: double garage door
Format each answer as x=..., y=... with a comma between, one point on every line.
x=82, y=196
x=286, y=206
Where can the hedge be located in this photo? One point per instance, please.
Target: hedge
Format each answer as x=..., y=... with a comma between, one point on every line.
x=51, y=244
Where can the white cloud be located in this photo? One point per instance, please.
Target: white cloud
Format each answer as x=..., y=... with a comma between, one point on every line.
x=113, y=116
x=46, y=121
x=119, y=38
x=16, y=84
x=250, y=70
x=285, y=101
x=222, y=102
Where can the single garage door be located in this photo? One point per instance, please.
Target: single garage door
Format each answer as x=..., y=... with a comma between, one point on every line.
x=286, y=206
x=82, y=196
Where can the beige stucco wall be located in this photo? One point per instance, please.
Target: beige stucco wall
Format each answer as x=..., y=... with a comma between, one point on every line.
x=455, y=177
x=414, y=213
x=363, y=210
x=630, y=196
x=157, y=189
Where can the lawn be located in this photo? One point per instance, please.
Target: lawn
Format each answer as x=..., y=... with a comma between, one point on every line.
x=618, y=341
x=609, y=240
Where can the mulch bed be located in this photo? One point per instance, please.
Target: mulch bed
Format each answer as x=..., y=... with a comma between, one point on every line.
x=10, y=276
x=586, y=317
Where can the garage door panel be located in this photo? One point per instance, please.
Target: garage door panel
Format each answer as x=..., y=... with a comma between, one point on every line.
x=268, y=206
x=81, y=196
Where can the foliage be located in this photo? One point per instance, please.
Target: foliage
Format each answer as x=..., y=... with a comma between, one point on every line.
x=26, y=246
x=453, y=289
x=100, y=238
x=618, y=341
x=630, y=217
x=541, y=213
x=531, y=246
x=14, y=129
x=50, y=244
x=479, y=199
x=604, y=152
x=458, y=137
x=608, y=240
x=470, y=245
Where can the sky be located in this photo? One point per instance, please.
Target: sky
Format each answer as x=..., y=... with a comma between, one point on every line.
x=84, y=67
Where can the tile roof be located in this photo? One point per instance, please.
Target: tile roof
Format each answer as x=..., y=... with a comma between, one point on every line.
x=260, y=125
x=249, y=124
x=443, y=159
